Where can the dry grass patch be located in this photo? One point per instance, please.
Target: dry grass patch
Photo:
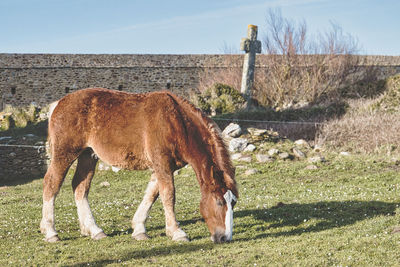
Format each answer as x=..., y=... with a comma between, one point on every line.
x=363, y=130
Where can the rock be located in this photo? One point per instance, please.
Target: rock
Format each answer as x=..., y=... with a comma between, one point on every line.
x=264, y=158
x=257, y=132
x=17, y=161
x=298, y=153
x=240, y=167
x=250, y=148
x=5, y=138
x=177, y=172
x=115, y=169
x=40, y=143
x=105, y=184
x=232, y=130
x=284, y=155
x=245, y=159
x=311, y=167
x=316, y=159
x=302, y=142
x=251, y=172
x=236, y=156
x=12, y=155
x=103, y=166
x=317, y=148
x=273, y=151
x=344, y=153
x=237, y=144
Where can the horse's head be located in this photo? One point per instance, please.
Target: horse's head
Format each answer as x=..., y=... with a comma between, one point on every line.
x=216, y=207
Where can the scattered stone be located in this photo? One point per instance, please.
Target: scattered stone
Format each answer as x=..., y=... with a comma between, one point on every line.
x=5, y=138
x=317, y=148
x=273, y=151
x=17, y=161
x=302, y=142
x=250, y=148
x=12, y=155
x=284, y=155
x=103, y=167
x=115, y=169
x=262, y=158
x=257, y=132
x=316, y=159
x=251, y=172
x=311, y=167
x=105, y=184
x=40, y=143
x=245, y=159
x=240, y=167
x=237, y=144
x=344, y=153
x=232, y=130
x=236, y=156
x=298, y=153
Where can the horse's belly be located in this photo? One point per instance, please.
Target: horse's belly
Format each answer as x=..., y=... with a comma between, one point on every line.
x=123, y=159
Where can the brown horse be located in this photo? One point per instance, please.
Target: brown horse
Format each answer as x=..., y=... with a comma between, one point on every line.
x=159, y=131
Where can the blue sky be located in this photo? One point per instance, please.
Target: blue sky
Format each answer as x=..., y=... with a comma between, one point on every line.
x=182, y=26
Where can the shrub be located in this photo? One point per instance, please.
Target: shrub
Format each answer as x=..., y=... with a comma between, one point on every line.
x=390, y=100
x=220, y=98
x=302, y=70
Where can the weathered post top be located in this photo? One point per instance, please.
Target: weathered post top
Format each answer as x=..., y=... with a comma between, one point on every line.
x=251, y=41
x=251, y=46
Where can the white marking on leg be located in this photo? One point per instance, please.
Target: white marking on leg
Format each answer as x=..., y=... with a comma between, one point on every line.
x=86, y=219
x=47, y=223
x=140, y=217
x=229, y=196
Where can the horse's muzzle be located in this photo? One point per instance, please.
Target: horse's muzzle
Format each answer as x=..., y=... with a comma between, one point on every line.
x=219, y=237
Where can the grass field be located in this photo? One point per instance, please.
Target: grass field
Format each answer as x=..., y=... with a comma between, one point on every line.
x=341, y=214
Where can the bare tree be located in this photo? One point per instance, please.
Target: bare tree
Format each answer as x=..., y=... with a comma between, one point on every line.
x=301, y=69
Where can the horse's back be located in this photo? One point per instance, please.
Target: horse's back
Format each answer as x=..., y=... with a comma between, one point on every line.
x=118, y=126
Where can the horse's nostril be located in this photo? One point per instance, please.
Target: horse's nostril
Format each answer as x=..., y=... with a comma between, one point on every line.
x=219, y=238
x=223, y=239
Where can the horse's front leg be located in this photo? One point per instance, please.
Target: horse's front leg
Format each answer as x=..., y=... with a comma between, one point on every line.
x=140, y=217
x=167, y=193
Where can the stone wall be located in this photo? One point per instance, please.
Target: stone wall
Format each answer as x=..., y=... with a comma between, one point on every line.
x=43, y=78
x=22, y=160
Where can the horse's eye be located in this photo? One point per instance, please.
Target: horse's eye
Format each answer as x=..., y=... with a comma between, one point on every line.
x=220, y=202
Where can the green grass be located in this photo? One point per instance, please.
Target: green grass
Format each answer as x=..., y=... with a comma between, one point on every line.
x=341, y=214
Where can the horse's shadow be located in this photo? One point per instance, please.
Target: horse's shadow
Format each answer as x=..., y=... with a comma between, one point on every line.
x=328, y=215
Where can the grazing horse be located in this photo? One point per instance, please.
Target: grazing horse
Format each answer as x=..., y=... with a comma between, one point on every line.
x=158, y=131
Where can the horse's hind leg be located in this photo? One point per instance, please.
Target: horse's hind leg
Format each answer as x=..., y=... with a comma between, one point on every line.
x=52, y=182
x=81, y=185
x=139, y=219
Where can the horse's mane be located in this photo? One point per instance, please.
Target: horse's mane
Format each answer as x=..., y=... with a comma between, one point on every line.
x=219, y=152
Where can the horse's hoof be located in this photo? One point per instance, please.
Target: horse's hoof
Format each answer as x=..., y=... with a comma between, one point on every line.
x=99, y=236
x=52, y=239
x=182, y=239
x=141, y=236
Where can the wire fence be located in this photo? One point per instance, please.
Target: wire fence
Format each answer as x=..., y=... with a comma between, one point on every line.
x=271, y=122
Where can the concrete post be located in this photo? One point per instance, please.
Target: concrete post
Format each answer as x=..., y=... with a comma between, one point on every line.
x=251, y=46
